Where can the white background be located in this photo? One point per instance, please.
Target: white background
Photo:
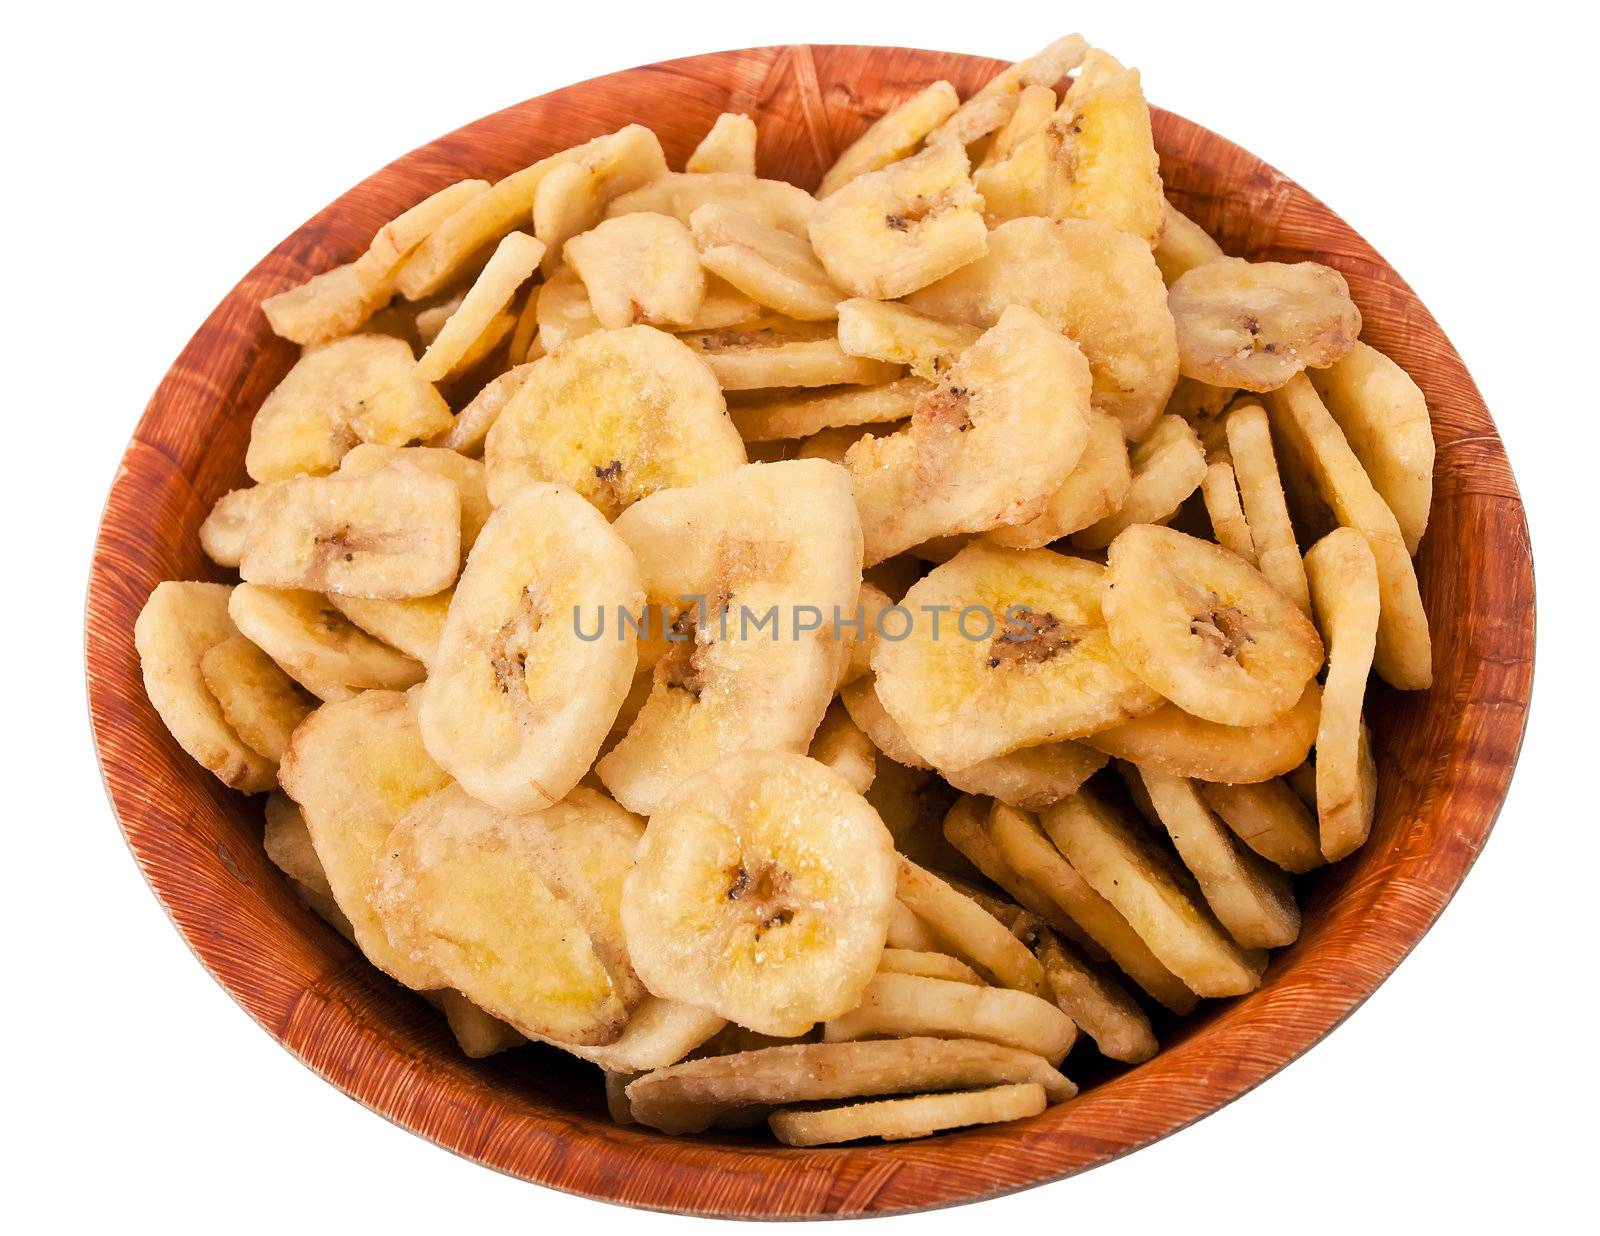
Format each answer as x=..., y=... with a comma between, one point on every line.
x=155, y=155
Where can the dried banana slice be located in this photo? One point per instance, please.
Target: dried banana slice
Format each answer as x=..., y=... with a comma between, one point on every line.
x=521, y=913
x=1220, y=490
x=729, y=146
x=1155, y=894
x=900, y=1119
x=861, y=702
x=1097, y=1004
x=905, y=1005
x=455, y=348
x=890, y=332
x=316, y=646
x=326, y=306
x=467, y=475
x=1164, y=469
x=1096, y=487
x=762, y=892
x=388, y=535
x=987, y=446
x=1260, y=490
x=563, y=310
x=518, y=701
x=1024, y=847
x=1172, y=741
x=1205, y=628
x=893, y=136
x=1203, y=407
x=413, y=626
x=1311, y=445
x=355, y=768
x=429, y=321
x=1257, y=324
x=892, y=231
x=472, y=424
x=1384, y=416
x=1270, y=819
x=781, y=352
x=775, y=202
x=1184, y=244
x=660, y=1032
x=178, y=626
x=773, y=267
x=834, y=444
x=991, y=106
x=620, y=161
x=572, y=197
x=1094, y=159
x=639, y=269
x=689, y=1097
x=765, y=557
x=1023, y=657
x=287, y=842
x=1035, y=106
x=615, y=415
x=912, y=802
x=361, y=388
x=223, y=531
x=259, y=701
x=927, y=964
x=1032, y=777
x=1097, y=285
x=478, y=1034
x=969, y=930
x=840, y=745
x=1344, y=587
x=1249, y=896
x=775, y=415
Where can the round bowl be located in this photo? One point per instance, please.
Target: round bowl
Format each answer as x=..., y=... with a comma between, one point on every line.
x=1445, y=755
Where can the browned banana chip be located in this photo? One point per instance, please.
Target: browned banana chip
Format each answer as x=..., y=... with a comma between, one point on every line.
x=1173, y=741
x=1269, y=818
x=1303, y=430
x=260, y=701
x=1094, y=159
x=893, y=136
x=1095, y=488
x=316, y=645
x=1164, y=470
x=892, y=231
x=689, y=1097
x=1344, y=586
x=768, y=416
x=899, y=1119
x=1257, y=324
x=178, y=626
x=772, y=267
x=781, y=352
x=729, y=146
x=1097, y=285
x=1205, y=628
x=1220, y=490
x=970, y=930
x=639, y=268
x=890, y=332
x=1261, y=491
x=905, y=1005
x=1097, y=1004
x=1184, y=244
x=1249, y=896
x=1155, y=894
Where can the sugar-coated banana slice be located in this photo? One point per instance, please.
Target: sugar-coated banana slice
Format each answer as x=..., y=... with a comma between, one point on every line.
x=1272, y=536
x=968, y=929
x=1097, y=1004
x=1094, y=159
x=1155, y=894
x=890, y=332
x=1257, y=324
x=1184, y=244
x=893, y=136
x=639, y=268
x=1250, y=897
x=774, y=202
x=178, y=625
x=1173, y=741
x=690, y=1097
x=757, y=565
x=1096, y=487
x=769, y=416
x=991, y=106
x=904, y=1005
x=355, y=768
x=929, y=965
x=900, y=1119
x=316, y=645
x=1269, y=818
x=518, y=700
x=1097, y=285
x=839, y=744
x=259, y=701
x=467, y=475
x=1021, y=656
x=472, y=424
x=1203, y=627
x=520, y=912
x=1344, y=588
x=728, y=146
x=987, y=446
x=388, y=535
x=761, y=892
x=892, y=231
x=572, y=197
x=326, y=306
x=776, y=352
x=223, y=531
x=614, y=415
x=1164, y=469
x=773, y=267
x=362, y=388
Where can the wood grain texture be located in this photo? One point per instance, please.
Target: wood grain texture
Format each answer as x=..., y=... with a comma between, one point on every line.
x=1446, y=755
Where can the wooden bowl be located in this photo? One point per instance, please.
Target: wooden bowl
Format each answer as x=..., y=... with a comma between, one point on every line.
x=1445, y=755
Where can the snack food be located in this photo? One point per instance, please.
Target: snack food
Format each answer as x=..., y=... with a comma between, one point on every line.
x=985, y=365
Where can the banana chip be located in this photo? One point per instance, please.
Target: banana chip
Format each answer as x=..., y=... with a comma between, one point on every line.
x=316, y=646
x=775, y=268
x=1097, y=487
x=769, y=416
x=782, y=352
x=259, y=701
x=729, y=146
x=1184, y=244
x=893, y=136
x=890, y=332
x=1097, y=1004
x=1261, y=491
x=1163, y=470
x=639, y=268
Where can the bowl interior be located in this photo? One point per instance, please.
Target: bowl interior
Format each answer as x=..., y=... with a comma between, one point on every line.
x=1445, y=756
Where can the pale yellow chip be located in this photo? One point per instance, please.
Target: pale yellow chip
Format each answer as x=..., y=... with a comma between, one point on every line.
x=260, y=701
x=773, y=415
x=513, y=263
x=1164, y=470
x=775, y=268
x=639, y=268
x=893, y=136
x=891, y=332
x=1261, y=491
x=729, y=146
